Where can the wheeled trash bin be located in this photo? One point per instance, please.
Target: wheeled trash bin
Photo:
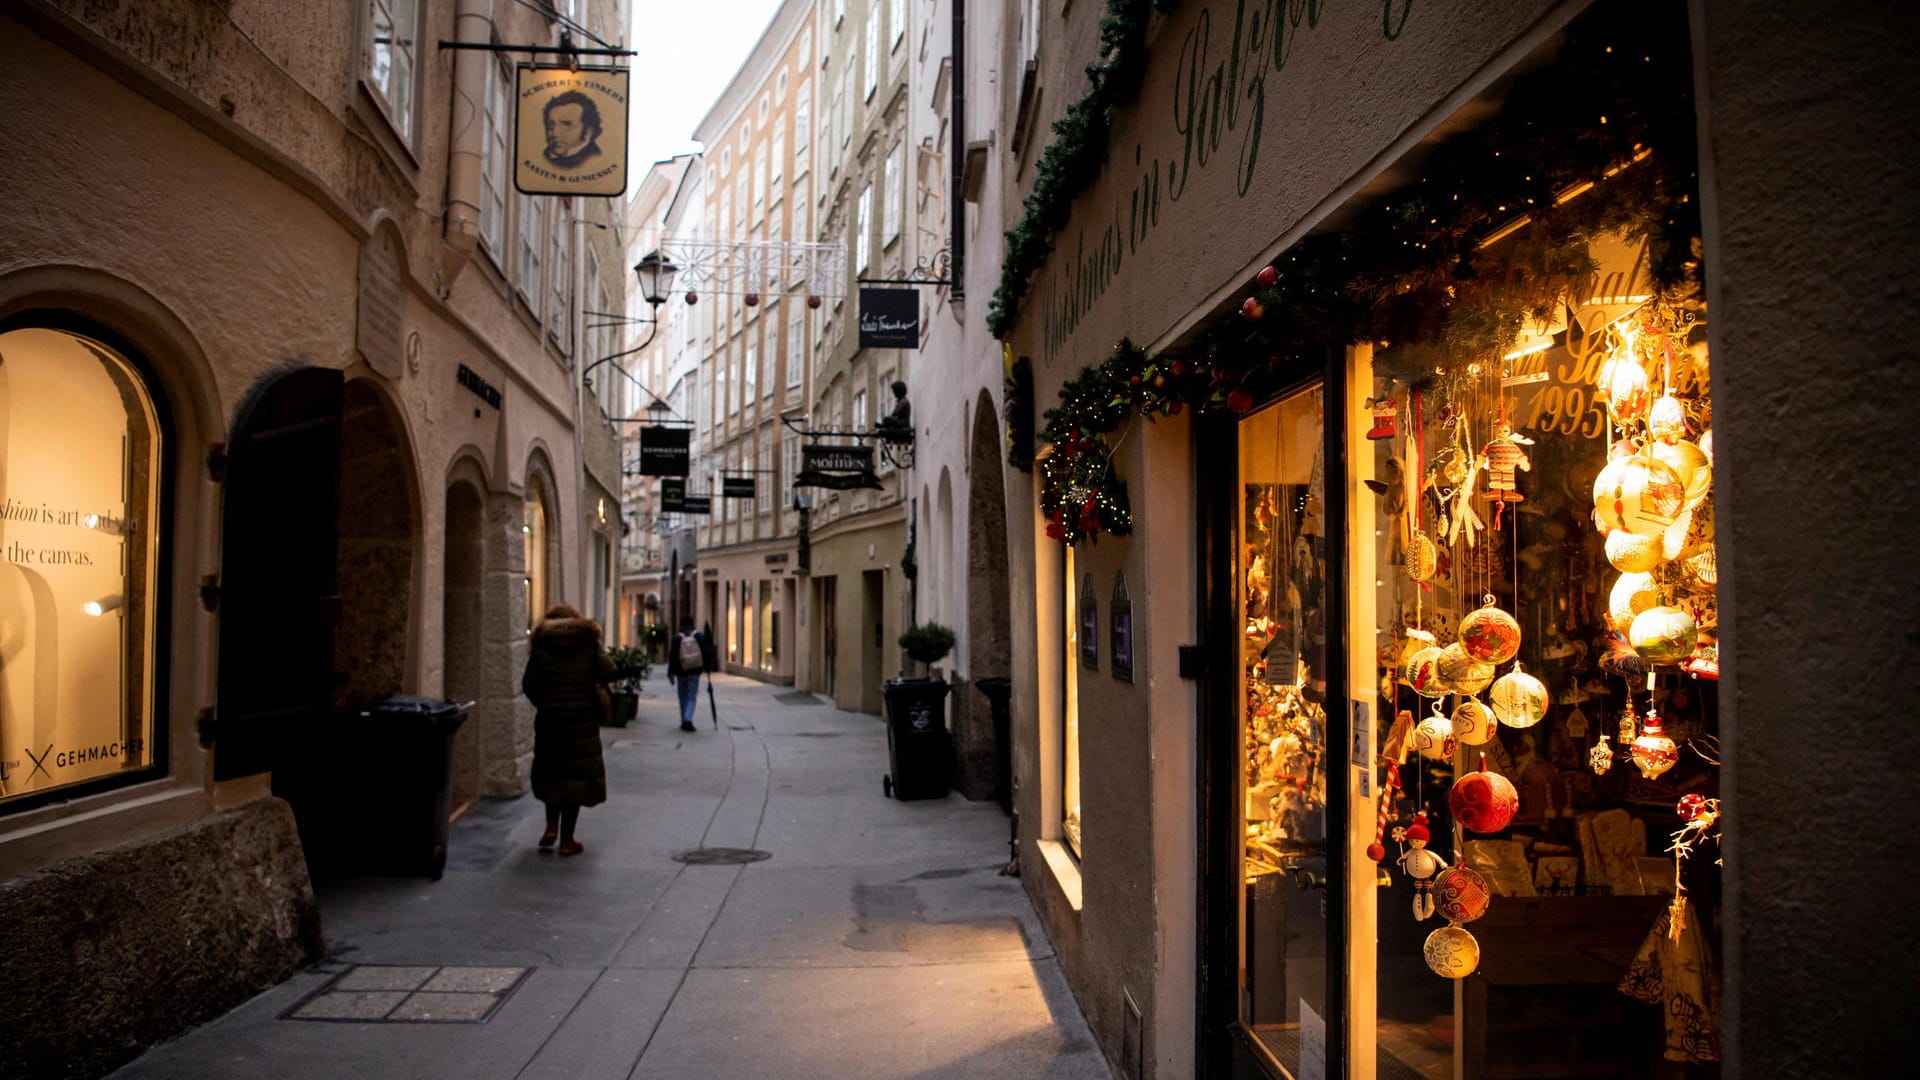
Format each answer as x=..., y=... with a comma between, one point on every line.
x=919, y=752
x=406, y=743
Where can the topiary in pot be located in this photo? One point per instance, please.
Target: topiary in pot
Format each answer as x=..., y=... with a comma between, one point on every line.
x=928, y=643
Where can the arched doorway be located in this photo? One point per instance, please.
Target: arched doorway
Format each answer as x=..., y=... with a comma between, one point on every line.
x=460, y=625
x=375, y=557
x=984, y=761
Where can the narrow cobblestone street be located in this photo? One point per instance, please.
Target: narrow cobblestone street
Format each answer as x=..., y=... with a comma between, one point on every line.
x=877, y=939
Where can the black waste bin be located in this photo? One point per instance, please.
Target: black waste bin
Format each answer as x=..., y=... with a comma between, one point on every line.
x=918, y=750
x=999, y=691
x=406, y=746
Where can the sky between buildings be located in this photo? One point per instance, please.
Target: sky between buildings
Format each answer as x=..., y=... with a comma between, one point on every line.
x=687, y=51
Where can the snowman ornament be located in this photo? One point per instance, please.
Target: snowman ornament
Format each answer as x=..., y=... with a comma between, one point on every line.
x=1420, y=864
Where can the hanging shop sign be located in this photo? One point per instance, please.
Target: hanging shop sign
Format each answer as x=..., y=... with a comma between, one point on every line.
x=570, y=131
x=736, y=487
x=663, y=451
x=675, y=500
x=836, y=468
x=889, y=318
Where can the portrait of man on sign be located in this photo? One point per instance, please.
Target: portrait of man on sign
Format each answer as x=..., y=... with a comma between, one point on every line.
x=573, y=128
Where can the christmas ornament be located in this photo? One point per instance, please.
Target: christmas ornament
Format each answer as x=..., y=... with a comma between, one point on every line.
x=1706, y=443
x=1473, y=723
x=1519, y=700
x=1705, y=661
x=1420, y=865
x=1384, y=408
x=813, y=302
x=1460, y=672
x=1433, y=737
x=1638, y=494
x=1632, y=594
x=1266, y=277
x=1623, y=386
x=1451, y=952
x=1490, y=635
x=1629, y=726
x=1422, y=673
x=1500, y=457
x=1632, y=552
x=1653, y=751
x=1663, y=635
x=1483, y=801
x=1690, y=464
x=1389, y=788
x=1690, y=806
x=1420, y=560
x=1460, y=895
x=1667, y=420
x=1701, y=570
x=1600, y=758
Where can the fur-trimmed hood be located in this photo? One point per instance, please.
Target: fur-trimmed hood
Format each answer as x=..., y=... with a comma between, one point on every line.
x=567, y=630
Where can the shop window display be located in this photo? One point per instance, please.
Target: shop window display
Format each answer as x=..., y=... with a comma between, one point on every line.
x=80, y=456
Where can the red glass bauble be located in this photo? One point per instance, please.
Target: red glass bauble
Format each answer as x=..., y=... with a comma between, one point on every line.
x=1483, y=801
x=1377, y=851
x=1460, y=895
x=1691, y=806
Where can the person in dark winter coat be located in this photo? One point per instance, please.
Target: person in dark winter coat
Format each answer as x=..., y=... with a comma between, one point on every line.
x=565, y=673
x=682, y=667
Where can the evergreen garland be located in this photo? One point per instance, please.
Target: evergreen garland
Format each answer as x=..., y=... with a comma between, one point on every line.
x=1019, y=414
x=1613, y=113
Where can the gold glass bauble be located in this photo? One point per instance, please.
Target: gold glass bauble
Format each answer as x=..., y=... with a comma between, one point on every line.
x=1473, y=723
x=1518, y=699
x=1691, y=465
x=1421, y=673
x=1461, y=673
x=1490, y=635
x=1639, y=494
x=1667, y=419
x=1623, y=383
x=1706, y=443
x=1451, y=952
x=1632, y=552
x=1631, y=595
x=1663, y=635
x=1421, y=558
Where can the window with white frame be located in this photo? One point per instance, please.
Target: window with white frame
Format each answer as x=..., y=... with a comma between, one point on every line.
x=770, y=354
x=533, y=239
x=897, y=20
x=746, y=135
x=763, y=107
x=777, y=163
x=759, y=182
x=895, y=195
x=742, y=196
x=860, y=410
x=796, y=347
x=763, y=480
x=750, y=373
x=391, y=59
x=495, y=161
x=863, y=230
x=846, y=106
x=870, y=63
x=839, y=11
x=560, y=277
x=780, y=86
x=802, y=124
x=790, y=466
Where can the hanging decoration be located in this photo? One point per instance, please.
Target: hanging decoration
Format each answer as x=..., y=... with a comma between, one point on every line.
x=1483, y=802
x=1420, y=863
x=1460, y=894
x=1473, y=723
x=1653, y=751
x=1460, y=672
x=1451, y=952
x=1490, y=635
x=1663, y=635
x=1518, y=699
x=1433, y=737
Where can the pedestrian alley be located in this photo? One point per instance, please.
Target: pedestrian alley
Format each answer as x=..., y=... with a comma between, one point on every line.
x=872, y=939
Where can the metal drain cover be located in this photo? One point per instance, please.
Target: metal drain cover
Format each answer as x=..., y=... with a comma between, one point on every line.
x=720, y=856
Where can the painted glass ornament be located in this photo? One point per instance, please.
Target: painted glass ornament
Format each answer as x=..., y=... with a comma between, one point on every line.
x=1490, y=635
x=1460, y=895
x=1632, y=594
x=1623, y=383
x=1433, y=738
x=1411, y=642
x=1422, y=673
x=1483, y=802
x=1460, y=672
x=1421, y=558
x=1653, y=751
x=1631, y=552
x=1629, y=725
x=1451, y=952
x=1600, y=758
x=1690, y=806
x=1473, y=723
x=1518, y=699
x=1690, y=465
x=1639, y=494
x=1701, y=569
x=1663, y=635
x=1667, y=419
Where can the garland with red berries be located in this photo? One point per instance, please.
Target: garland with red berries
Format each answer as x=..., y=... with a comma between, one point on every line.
x=1600, y=142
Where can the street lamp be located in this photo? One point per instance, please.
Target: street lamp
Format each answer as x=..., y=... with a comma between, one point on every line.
x=656, y=277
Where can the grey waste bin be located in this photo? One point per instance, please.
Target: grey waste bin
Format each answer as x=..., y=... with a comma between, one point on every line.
x=405, y=784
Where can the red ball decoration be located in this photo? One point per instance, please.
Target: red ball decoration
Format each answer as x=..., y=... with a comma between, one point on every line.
x=1377, y=851
x=1460, y=895
x=813, y=301
x=1266, y=277
x=1483, y=801
x=1240, y=402
x=1251, y=310
x=753, y=299
x=692, y=297
x=1691, y=806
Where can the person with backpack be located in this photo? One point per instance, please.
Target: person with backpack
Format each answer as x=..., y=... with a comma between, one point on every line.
x=690, y=654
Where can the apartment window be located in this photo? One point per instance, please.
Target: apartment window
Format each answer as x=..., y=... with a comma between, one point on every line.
x=390, y=61
x=763, y=108
x=742, y=195
x=839, y=12
x=777, y=163
x=796, y=347
x=862, y=230
x=726, y=158
x=802, y=123
x=763, y=487
x=82, y=437
x=759, y=182
x=870, y=63
x=726, y=209
x=895, y=195
x=533, y=237
x=560, y=279
x=846, y=107
x=897, y=20
x=749, y=373
x=766, y=358
x=780, y=85
x=495, y=162
x=860, y=410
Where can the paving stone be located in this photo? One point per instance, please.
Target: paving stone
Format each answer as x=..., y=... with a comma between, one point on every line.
x=489, y=980
x=467, y=1008
x=350, y=1005
x=382, y=977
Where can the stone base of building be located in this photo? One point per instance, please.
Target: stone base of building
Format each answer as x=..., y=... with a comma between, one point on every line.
x=104, y=955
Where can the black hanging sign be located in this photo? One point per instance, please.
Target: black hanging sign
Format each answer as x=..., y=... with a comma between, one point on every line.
x=673, y=495
x=736, y=487
x=663, y=451
x=889, y=318
x=836, y=468
x=697, y=504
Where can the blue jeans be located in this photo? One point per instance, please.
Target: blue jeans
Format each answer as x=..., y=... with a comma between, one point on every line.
x=689, y=687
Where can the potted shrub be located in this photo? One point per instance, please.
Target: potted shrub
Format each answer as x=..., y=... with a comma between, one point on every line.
x=928, y=643
x=630, y=667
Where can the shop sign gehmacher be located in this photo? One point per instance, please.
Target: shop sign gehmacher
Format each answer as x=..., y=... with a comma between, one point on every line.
x=663, y=451
x=570, y=130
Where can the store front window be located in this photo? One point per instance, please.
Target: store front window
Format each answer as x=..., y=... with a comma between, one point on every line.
x=1070, y=714
x=81, y=454
x=534, y=529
